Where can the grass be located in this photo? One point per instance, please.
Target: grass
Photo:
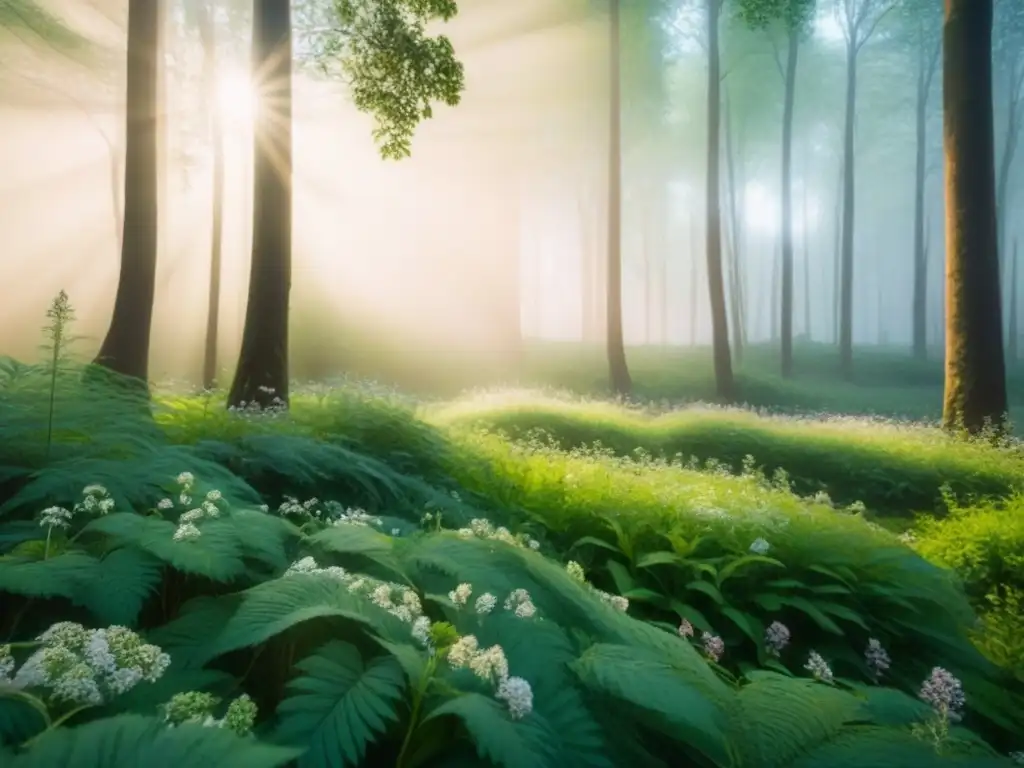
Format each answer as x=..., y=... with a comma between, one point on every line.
x=636, y=564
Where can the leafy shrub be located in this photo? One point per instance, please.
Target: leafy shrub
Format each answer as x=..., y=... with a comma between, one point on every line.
x=892, y=468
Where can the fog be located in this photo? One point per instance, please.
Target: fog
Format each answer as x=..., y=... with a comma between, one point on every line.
x=495, y=228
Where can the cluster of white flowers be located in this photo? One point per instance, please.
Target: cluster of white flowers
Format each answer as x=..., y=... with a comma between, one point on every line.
x=197, y=707
x=576, y=573
x=491, y=665
x=776, y=638
x=208, y=508
x=760, y=546
x=713, y=646
x=480, y=528
x=96, y=500
x=818, y=667
x=252, y=409
x=327, y=512
x=518, y=602
x=398, y=600
x=86, y=666
x=876, y=659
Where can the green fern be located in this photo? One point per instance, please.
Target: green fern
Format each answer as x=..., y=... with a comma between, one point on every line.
x=650, y=683
x=874, y=747
x=339, y=705
x=141, y=741
x=120, y=584
x=500, y=741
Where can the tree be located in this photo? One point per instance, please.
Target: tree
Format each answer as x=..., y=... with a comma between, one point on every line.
x=921, y=24
x=618, y=371
x=724, y=384
x=394, y=72
x=794, y=17
x=975, y=391
x=125, y=348
x=859, y=20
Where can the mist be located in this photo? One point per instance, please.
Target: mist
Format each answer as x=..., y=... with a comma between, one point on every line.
x=495, y=229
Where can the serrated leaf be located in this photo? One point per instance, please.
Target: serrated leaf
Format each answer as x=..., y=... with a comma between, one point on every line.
x=147, y=741
x=59, y=576
x=122, y=582
x=504, y=742
x=339, y=705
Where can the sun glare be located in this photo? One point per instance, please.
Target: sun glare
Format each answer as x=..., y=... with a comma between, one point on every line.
x=236, y=97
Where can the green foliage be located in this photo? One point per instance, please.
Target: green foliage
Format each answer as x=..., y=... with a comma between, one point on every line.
x=394, y=70
x=794, y=15
x=350, y=630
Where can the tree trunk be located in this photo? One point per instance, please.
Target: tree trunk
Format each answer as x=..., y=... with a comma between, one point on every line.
x=837, y=256
x=724, y=385
x=786, y=324
x=618, y=370
x=694, y=279
x=846, y=279
x=262, y=373
x=735, y=270
x=926, y=69
x=208, y=36
x=1011, y=347
x=125, y=348
x=775, y=305
x=975, y=392
x=808, y=331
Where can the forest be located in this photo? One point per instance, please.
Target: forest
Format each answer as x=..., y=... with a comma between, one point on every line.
x=548, y=383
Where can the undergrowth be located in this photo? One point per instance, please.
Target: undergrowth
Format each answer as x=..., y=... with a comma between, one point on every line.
x=345, y=584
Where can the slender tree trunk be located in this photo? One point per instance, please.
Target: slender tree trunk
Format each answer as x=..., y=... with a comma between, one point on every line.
x=125, y=348
x=808, y=330
x=975, y=367
x=926, y=69
x=837, y=254
x=846, y=280
x=1011, y=347
x=208, y=35
x=262, y=373
x=694, y=279
x=724, y=384
x=792, y=55
x=618, y=370
x=776, y=304
x=735, y=269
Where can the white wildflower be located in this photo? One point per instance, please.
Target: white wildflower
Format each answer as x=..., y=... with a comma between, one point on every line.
x=485, y=603
x=490, y=664
x=421, y=631
x=575, y=571
x=55, y=517
x=460, y=595
x=187, y=532
x=463, y=652
x=165, y=504
x=759, y=546
x=818, y=667
x=517, y=695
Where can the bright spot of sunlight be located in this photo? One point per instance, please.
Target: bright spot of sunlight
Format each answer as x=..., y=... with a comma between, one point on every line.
x=236, y=96
x=761, y=209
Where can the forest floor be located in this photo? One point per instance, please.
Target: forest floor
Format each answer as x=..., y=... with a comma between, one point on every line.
x=660, y=546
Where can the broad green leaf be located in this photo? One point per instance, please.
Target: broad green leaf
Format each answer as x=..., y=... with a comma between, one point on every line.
x=741, y=563
x=707, y=588
x=339, y=705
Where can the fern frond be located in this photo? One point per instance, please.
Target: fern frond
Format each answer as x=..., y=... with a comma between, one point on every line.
x=339, y=705
x=120, y=585
x=60, y=576
x=144, y=741
x=648, y=682
x=525, y=743
x=875, y=747
x=778, y=718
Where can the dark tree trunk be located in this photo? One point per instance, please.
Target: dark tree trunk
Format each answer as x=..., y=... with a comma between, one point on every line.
x=793, y=50
x=618, y=370
x=125, y=348
x=735, y=268
x=975, y=367
x=926, y=71
x=262, y=373
x=1011, y=347
x=724, y=385
x=208, y=35
x=846, y=279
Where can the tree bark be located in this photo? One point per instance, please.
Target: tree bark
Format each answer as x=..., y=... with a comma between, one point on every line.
x=735, y=270
x=792, y=55
x=262, y=373
x=975, y=387
x=846, y=279
x=724, y=384
x=125, y=348
x=1011, y=347
x=618, y=370
x=208, y=36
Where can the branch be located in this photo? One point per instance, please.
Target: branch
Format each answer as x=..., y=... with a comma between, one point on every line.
x=874, y=24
